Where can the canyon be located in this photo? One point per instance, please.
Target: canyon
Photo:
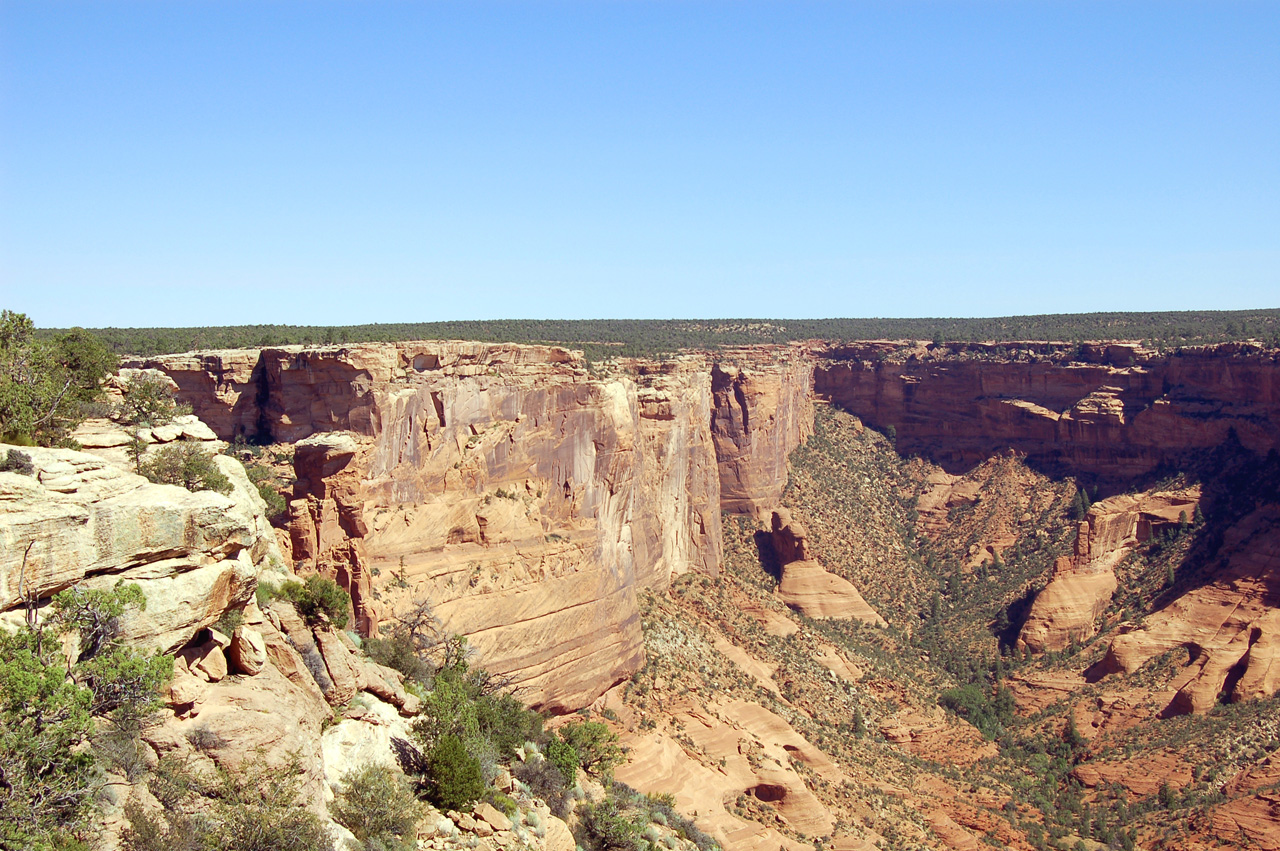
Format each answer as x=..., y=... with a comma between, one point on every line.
x=585, y=527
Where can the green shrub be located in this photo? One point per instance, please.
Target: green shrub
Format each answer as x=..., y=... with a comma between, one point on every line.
x=506, y=723
x=146, y=402
x=399, y=652
x=503, y=803
x=46, y=715
x=596, y=745
x=185, y=464
x=377, y=805
x=259, y=809
x=454, y=774
x=17, y=462
x=604, y=827
x=263, y=478
x=43, y=718
x=229, y=621
x=564, y=757
x=317, y=596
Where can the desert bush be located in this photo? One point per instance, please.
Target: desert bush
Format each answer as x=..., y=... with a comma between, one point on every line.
x=204, y=739
x=229, y=621
x=317, y=598
x=545, y=781
x=596, y=745
x=605, y=827
x=453, y=774
x=258, y=809
x=378, y=806
x=312, y=658
x=398, y=651
x=17, y=462
x=118, y=746
x=187, y=465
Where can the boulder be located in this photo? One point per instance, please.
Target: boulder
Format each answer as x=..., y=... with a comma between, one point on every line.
x=559, y=837
x=248, y=651
x=212, y=665
x=488, y=813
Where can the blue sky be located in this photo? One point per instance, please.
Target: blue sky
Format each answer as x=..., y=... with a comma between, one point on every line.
x=194, y=163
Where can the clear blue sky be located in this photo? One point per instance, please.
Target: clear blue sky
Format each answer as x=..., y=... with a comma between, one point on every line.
x=194, y=163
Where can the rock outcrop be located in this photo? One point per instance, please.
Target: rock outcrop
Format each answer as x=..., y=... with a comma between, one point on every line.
x=1113, y=412
x=79, y=519
x=1068, y=608
x=1229, y=626
x=762, y=411
x=806, y=585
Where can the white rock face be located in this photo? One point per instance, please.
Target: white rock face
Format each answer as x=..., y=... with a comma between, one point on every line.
x=353, y=743
x=81, y=519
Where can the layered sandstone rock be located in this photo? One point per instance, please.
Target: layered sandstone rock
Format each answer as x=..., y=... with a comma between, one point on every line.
x=1068, y=608
x=81, y=520
x=1230, y=626
x=762, y=411
x=1114, y=412
x=745, y=750
x=526, y=500
x=806, y=585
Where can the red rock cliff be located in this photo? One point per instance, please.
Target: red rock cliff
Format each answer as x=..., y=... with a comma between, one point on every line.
x=526, y=499
x=1114, y=412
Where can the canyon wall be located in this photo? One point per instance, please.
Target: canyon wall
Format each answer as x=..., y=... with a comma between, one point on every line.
x=1112, y=412
x=527, y=499
x=530, y=498
x=762, y=411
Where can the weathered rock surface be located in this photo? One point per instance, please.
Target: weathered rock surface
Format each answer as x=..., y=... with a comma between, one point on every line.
x=79, y=519
x=750, y=752
x=248, y=651
x=1114, y=411
x=1067, y=609
x=806, y=585
x=762, y=410
x=1230, y=626
x=526, y=500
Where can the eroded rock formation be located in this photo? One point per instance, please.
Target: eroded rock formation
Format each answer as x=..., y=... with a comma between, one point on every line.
x=1068, y=608
x=527, y=500
x=806, y=585
x=79, y=519
x=1229, y=626
x=1113, y=412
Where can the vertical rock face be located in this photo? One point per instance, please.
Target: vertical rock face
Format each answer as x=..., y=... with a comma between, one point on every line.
x=525, y=499
x=678, y=521
x=1114, y=412
x=1068, y=608
x=762, y=410
x=1229, y=626
x=222, y=387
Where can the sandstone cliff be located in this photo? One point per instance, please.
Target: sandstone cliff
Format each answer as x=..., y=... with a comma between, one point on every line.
x=1113, y=412
x=762, y=411
x=527, y=500
x=1067, y=609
